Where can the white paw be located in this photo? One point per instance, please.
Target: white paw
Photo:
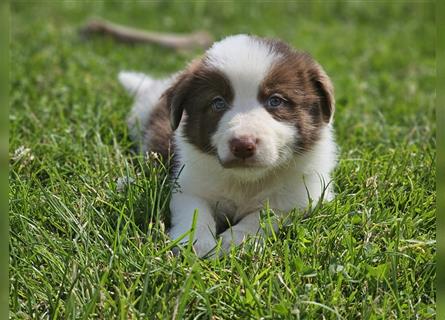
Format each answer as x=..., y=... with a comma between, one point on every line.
x=203, y=241
x=204, y=246
x=232, y=237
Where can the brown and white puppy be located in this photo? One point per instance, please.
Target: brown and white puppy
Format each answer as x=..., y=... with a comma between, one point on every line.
x=250, y=122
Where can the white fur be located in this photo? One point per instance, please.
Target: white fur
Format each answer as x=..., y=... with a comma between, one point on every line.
x=244, y=60
x=283, y=179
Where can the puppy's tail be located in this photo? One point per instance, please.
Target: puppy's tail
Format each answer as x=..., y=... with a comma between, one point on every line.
x=135, y=83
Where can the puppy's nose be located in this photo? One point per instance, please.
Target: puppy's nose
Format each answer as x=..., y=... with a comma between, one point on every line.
x=243, y=147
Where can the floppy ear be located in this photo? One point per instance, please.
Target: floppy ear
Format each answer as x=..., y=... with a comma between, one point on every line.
x=175, y=98
x=177, y=94
x=325, y=90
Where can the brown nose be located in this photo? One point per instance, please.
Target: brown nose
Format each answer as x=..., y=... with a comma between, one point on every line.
x=243, y=147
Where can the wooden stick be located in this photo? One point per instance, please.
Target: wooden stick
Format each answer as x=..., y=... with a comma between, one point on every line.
x=200, y=39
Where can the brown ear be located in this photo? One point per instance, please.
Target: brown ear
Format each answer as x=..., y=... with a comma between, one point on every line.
x=325, y=90
x=176, y=95
x=175, y=98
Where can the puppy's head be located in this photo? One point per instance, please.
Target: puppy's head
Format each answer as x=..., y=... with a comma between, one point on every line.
x=252, y=103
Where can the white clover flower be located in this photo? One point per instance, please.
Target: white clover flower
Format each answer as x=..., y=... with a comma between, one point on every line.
x=123, y=183
x=23, y=153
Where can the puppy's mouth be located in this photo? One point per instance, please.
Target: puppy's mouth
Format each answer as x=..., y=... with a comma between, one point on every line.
x=241, y=163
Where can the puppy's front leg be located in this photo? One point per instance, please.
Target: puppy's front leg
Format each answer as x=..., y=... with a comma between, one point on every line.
x=182, y=207
x=249, y=225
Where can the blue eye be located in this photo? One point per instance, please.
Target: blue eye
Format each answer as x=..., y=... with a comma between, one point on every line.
x=219, y=104
x=274, y=101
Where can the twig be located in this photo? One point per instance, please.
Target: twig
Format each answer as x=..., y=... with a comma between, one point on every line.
x=200, y=39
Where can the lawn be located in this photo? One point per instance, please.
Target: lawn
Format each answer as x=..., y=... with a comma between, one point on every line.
x=80, y=247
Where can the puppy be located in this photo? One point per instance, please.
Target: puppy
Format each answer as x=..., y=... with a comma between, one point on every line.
x=249, y=123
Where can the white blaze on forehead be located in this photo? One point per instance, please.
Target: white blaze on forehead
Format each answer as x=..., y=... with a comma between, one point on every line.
x=244, y=60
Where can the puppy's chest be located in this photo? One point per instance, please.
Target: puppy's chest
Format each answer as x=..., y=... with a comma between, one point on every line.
x=280, y=197
x=234, y=210
x=235, y=203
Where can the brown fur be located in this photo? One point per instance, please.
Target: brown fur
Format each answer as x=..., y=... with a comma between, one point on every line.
x=193, y=94
x=159, y=130
x=305, y=87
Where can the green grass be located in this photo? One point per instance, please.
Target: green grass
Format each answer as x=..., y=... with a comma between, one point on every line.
x=81, y=249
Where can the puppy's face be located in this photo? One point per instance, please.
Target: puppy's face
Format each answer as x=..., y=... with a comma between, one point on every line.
x=252, y=103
